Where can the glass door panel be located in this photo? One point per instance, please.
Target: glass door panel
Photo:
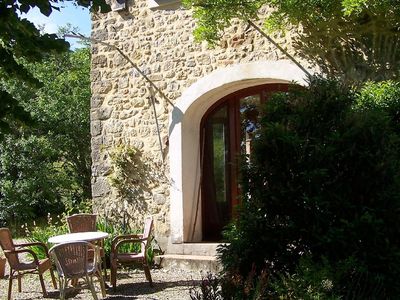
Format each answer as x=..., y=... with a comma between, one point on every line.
x=216, y=187
x=228, y=130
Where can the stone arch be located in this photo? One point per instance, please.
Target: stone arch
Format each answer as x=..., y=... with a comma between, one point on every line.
x=184, y=135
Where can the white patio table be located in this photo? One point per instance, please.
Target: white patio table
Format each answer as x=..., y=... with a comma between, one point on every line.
x=78, y=236
x=87, y=236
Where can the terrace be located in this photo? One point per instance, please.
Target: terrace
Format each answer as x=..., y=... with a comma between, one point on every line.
x=167, y=284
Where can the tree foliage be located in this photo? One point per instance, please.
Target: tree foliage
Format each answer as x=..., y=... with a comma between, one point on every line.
x=46, y=166
x=21, y=41
x=323, y=186
x=355, y=39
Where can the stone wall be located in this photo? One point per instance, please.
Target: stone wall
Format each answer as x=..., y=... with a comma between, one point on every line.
x=161, y=43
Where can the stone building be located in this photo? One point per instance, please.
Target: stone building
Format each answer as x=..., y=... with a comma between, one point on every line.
x=169, y=116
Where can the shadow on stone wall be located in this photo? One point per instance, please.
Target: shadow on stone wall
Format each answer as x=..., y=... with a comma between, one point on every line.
x=134, y=178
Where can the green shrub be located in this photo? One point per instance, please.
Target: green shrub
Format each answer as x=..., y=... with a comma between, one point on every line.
x=310, y=280
x=323, y=182
x=45, y=167
x=43, y=233
x=231, y=286
x=113, y=230
x=209, y=289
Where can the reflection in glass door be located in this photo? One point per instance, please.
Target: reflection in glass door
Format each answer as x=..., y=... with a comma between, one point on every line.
x=249, y=121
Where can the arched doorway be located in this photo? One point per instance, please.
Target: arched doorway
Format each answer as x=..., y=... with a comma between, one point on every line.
x=227, y=129
x=185, y=138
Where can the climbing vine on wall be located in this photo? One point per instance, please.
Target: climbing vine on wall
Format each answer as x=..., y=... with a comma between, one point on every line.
x=129, y=170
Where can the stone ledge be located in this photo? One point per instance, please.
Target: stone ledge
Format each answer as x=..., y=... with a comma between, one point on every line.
x=163, y=4
x=189, y=262
x=188, y=257
x=201, y=249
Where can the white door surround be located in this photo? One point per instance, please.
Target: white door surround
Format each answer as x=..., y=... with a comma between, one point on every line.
x=184, y=135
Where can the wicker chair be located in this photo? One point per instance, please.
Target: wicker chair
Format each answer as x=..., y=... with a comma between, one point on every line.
x=73, y=263
x=17, y=267
x=82, y=222
x=85, y=223
x=120, y=258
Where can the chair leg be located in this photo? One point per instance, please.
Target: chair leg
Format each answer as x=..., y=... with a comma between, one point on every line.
x=147, y=273
x=63, y=285
x=102, y=285
x=105, y=267
x=19, y=283
x=113, y=274
x=10, y=284
x=42, y=284
x=53, y=278
x=90, y=283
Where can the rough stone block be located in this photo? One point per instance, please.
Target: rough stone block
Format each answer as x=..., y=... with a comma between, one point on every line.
x=95, y=128
x=99, y=61
x=159, y=199
x=100, y=187
x=96, y=101
x=104, y=113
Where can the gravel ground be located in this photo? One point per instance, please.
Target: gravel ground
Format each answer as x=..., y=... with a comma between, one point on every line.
x=131, y=284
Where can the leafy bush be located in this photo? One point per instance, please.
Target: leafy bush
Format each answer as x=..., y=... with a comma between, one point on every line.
x=45, y=167
x=385, y=96
x=53, y=227
x=113, y=230
x=43, y=233
x=323, y=182
x=231, y=286
x=209, y=289
x=310, y=280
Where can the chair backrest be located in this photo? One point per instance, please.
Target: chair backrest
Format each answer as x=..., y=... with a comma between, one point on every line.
x=82, y=222
x=71, y=259
x=7, y=243
x=148, y=226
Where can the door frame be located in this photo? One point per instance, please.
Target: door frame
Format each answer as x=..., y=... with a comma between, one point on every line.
x=232, y=102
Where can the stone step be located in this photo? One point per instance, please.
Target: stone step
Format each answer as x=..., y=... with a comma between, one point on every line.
x=205, y=263
x=203, y=249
